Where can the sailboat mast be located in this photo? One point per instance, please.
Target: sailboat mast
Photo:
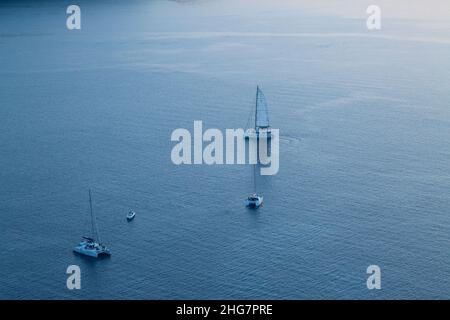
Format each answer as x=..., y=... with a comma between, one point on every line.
x=256, y=129
x=256, y=106
x=93, y=220
x=254, y=178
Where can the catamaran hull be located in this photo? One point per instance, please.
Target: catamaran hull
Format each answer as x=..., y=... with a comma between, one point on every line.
x=94, y=252
x=89, y=253
x=252, y=134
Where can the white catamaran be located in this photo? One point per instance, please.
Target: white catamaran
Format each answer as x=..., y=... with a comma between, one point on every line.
x=261, y=119
x=92, y=246
x=254, y=200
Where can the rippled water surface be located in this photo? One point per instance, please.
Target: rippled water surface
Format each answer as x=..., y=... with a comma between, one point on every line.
x=364, y=151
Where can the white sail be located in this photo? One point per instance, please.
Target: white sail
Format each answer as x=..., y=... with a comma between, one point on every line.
x=261, y=114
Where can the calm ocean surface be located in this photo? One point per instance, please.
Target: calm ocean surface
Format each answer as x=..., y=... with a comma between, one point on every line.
x=364, y=175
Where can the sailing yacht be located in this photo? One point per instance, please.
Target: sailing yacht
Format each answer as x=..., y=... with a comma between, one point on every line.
x=92, y=246
x=261, y=119
x=254, y=200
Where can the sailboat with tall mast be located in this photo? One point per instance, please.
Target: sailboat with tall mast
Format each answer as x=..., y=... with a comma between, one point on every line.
x=91, y=246
x=261, y=127
x=254, y=200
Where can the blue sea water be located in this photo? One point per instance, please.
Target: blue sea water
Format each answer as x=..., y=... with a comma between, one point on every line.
x=364, y=171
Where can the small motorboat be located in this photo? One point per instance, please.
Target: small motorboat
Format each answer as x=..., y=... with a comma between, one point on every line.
x=130, y=215
x=254, y=200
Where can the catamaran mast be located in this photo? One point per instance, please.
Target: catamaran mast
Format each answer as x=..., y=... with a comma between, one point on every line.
x=93, y=220
x=256, y=129
x=254, y=178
